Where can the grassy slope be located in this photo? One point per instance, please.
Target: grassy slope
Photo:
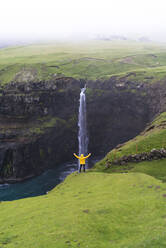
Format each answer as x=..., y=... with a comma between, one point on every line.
x=155, y=168
x=92, y=60
x=153, y=137
x=89, y=210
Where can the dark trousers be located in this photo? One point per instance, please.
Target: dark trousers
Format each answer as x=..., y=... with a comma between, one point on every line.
x=82, y=165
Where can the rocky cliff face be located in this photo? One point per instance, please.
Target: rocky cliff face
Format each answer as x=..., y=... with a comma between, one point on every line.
x=38, y=126
x=38, y=120
x=118, y=110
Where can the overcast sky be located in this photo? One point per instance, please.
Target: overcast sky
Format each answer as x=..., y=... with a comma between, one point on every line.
x=51, y=19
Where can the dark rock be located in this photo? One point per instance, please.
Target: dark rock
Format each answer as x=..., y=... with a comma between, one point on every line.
x=86, y=211
x=119, y=146
x=114, y=115
x=150, y=128
x=38, y=127
x=38, y=121
x=153, y=154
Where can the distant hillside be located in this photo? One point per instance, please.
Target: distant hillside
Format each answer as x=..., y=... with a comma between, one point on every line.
x=89, y=60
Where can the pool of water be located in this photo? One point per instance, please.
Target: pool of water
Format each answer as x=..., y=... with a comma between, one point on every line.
x=38, y=185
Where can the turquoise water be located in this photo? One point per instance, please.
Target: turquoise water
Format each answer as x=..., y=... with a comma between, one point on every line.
x=36, y=186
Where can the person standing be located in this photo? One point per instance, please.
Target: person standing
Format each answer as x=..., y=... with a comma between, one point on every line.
x=82, y=160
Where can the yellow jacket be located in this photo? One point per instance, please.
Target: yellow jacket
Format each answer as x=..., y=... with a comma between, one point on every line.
x=82, y=158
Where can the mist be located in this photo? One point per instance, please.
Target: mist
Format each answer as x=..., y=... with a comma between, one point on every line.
x=38, y=20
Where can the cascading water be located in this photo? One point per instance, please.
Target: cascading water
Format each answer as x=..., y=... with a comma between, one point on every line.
x=82, y=135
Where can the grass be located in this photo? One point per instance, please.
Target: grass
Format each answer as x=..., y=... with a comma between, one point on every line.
x=38, y=127
x=88, y=60
x=46, y=123
x=89, y=210
x=153, y=137
x=155, y=168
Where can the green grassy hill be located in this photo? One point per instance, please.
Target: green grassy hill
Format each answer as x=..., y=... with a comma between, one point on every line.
x=89, y=210
x=89, y=60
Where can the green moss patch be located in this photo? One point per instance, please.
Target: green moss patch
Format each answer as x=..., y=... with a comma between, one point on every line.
x=45, y=123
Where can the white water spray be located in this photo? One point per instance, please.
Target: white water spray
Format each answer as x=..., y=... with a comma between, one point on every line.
x=82, y=135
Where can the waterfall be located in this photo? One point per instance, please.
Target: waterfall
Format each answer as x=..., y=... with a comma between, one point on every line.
x=82, y=135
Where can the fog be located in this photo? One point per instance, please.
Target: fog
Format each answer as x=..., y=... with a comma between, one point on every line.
x=22, y=20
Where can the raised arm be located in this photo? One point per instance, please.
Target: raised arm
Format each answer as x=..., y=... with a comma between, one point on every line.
x=88, y=155
x=75, y=155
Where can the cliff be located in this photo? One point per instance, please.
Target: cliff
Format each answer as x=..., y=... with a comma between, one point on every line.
x=38, y=120
x=38, y=127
